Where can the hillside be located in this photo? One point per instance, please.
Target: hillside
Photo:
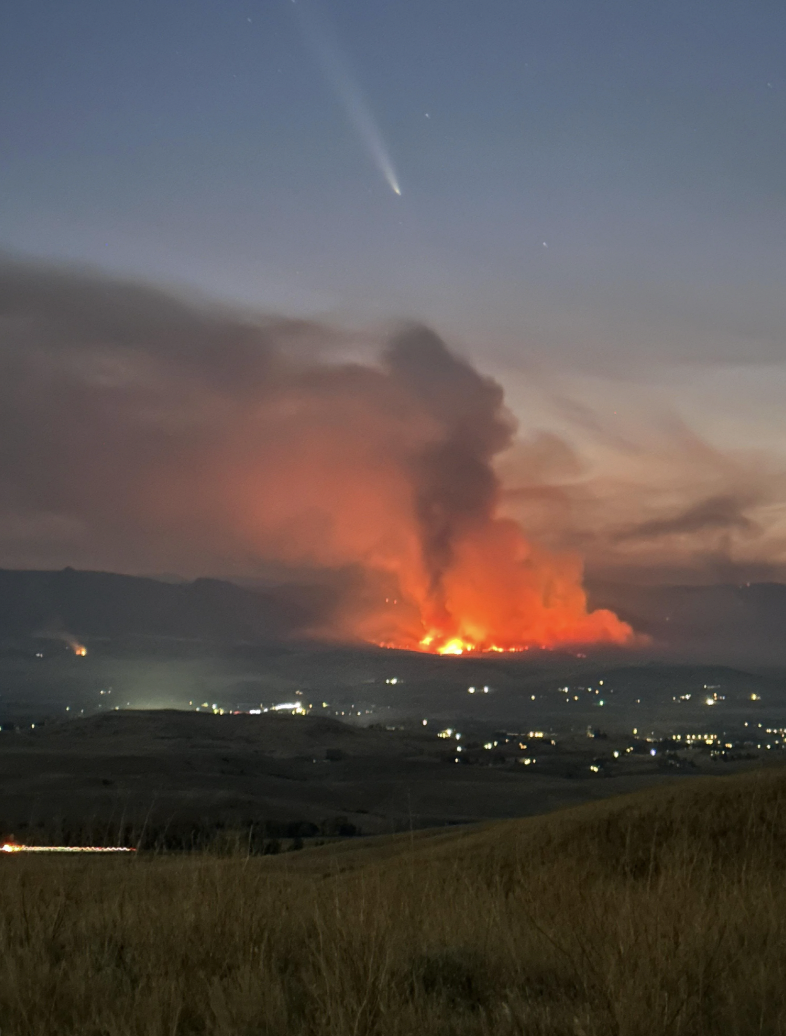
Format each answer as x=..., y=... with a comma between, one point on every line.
x=177, y=778
x=725, y=621
x=662, y=912
x=104, y=604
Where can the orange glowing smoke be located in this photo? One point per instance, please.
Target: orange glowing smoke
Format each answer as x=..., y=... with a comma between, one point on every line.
x=477, y=583
x=390, y=472
x=79, y=649
x=500, y=594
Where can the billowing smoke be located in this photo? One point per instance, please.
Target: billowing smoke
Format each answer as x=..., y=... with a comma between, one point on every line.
x=454, y=487
x=145, y=433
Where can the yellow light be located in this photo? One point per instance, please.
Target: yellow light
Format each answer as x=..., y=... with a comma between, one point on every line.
x=456, y=646
x=12, y=848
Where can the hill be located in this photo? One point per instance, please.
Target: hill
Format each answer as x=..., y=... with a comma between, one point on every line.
x=104, y=604
x=170, y=778
x=724, y=621
x=662, y=912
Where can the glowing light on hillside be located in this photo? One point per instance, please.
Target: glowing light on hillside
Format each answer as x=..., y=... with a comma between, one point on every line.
x=438, y=644
x=455, y=646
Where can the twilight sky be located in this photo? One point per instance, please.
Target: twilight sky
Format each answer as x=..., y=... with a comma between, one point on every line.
x=592, y=210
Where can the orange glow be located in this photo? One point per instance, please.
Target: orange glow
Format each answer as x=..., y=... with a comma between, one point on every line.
x=503, y=595
x=455, y=646
x=79, y=649
x=383, y=478
x=496, y=592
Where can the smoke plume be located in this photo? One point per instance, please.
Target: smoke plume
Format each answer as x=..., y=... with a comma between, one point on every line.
x=146, y=433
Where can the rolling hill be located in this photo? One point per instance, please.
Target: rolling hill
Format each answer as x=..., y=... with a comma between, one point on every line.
x=662, y=912
x=104, y=604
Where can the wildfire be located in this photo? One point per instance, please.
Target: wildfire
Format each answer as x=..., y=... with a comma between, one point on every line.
x=437, y=645
x=471, y=621
x=434, y=643
x=11, y=847
x=80, y=650
x=455, y=646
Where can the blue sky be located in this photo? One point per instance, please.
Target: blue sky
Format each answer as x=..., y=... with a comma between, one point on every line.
x=199, y=143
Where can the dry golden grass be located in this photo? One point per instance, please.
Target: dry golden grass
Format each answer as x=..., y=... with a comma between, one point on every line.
x=663, y=912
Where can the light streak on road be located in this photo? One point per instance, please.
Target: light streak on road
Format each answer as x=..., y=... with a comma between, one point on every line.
x=12, y=848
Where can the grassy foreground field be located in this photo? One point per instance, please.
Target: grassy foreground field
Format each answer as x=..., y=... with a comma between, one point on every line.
x=663, y=912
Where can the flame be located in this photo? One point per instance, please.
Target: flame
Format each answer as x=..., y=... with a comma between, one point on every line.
x=455, y=646
x=78, y=648
x=502, y=595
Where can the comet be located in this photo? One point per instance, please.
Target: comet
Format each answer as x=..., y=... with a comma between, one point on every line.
x=348, y=92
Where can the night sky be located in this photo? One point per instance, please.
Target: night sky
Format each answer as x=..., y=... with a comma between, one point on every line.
x=591, y=210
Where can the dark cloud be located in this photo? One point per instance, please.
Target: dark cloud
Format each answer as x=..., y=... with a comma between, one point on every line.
x=664, y=506
x=717, y=512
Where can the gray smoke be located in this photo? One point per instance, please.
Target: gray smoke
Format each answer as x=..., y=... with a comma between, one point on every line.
x=455, y=485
